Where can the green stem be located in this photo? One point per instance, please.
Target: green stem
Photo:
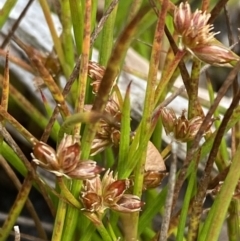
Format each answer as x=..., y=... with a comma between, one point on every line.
x=125, y=134
x=67, y=40
x=29, y=137
x=185, y=206
x=147, y=112
x=67, y=194
x=223, y=147
x=71, y=219
x=193, y=84
x=32, y=111
x=233, y=221
x=107, y=35
x=88, y=233
x=213, y=224
x=149, y=97
x=6, y=9
x=56, y=39
x=135, y=6
x=77, y=21
x=59, y=221
x=103, y=232
x=168, y=74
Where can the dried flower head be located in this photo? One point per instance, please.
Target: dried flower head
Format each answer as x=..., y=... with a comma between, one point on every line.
x=98, y=195
x=64, y=161
x=107, y=134
x=186, y=130
x=181, y=128
x=169, y=119
x=95, y=72
x=198, y=38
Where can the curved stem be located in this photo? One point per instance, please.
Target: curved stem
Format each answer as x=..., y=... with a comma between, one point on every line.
x=67, y=194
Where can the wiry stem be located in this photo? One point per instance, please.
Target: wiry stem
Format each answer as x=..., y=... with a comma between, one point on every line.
x=169, y=199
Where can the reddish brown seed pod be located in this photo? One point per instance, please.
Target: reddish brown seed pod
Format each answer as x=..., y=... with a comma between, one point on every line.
x=44, y=156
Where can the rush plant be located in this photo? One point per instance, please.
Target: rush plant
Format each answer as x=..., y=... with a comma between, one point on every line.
x=112, y=180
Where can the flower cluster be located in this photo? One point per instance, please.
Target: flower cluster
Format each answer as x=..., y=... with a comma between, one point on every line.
x=95, y=72
x=98, y=195
x=65, y=161
x=107, y=134
x=181, y=128
x=197, y=36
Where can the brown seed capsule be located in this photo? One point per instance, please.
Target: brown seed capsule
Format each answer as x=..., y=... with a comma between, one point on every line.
x=214, y=53
x=128, y=204
x=168, y=119
x=96, y=72
x=98, y=195
x=85, y=170
x=181, y=127
x=68, y=157
x=115, y=190
x=91, y=201
x=153, y=179
x=182, y=18
x=45, y=156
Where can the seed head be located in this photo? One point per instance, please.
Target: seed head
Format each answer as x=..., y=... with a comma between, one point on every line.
x=65, y=161
x=198, y=38
x=182, y=18
x=181, y=128
x=45, y=156
x=98, y=195
x=96, y=72
x=168, y=119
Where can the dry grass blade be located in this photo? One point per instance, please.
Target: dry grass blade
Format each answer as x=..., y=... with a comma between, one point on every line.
x=6, y=116
x=17, y=61
x=36, y=60
x=5, y=85
x=82, y=84
x=4, y=98
x=15, y=25
x=5, y=90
